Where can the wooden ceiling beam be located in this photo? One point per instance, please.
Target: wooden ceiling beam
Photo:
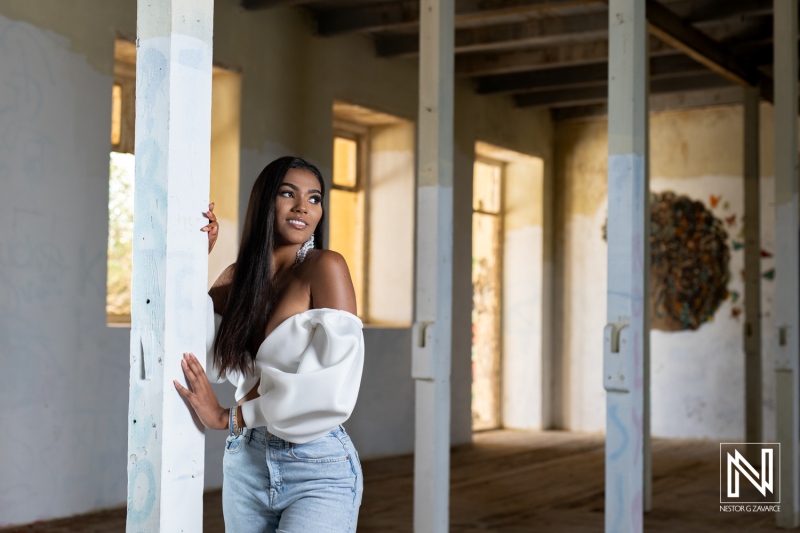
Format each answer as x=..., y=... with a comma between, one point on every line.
x=599, y=94
x=537, y=32
x=545, y=57
x=488, y=63
x=579, y=112
x=681, y=35
x=726, y=96
x=583, y=28
x=698, y=12
x=405, y=14
x=254, y=5
x=597, y=74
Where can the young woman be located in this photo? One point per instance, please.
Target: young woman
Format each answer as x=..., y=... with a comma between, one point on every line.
x=282, y=328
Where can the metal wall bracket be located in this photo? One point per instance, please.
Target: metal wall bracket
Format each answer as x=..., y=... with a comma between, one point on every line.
x=783, y=352
x=422, y=335
x=617, y=358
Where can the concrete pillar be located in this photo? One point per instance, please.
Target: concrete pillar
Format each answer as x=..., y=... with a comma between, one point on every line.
x=434, y=253
x=787, y=290
x=752, y=271
x=170, y=261
x=626, y=336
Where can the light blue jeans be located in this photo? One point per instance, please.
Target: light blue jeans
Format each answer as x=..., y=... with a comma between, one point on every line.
x=271, y=485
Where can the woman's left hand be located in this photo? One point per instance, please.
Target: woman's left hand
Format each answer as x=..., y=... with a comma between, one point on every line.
x=212, y=228
x=201, y=396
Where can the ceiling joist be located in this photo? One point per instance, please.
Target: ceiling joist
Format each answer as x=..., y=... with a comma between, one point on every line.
x=253, y=5
x=681, y=35
x=660, y=102
x=537, y=32
x=675, y=65
x=405, y=14
x=599, y=94
x=553, y=53
x=545, y=57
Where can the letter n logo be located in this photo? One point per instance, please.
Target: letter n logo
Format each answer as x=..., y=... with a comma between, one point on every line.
x=741, y=477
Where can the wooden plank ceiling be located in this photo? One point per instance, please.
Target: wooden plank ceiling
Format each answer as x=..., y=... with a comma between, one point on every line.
x=553, y=53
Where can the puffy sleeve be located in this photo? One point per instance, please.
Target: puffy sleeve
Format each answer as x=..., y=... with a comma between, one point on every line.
x=212, y=325
x=303, y=397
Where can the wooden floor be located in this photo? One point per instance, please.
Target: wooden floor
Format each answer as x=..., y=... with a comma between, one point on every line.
x=514, y=482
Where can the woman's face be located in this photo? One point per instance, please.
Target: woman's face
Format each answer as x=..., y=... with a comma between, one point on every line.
x=298, y=207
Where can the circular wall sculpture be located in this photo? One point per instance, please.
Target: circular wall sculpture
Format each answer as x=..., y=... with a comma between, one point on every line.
x=690, y=257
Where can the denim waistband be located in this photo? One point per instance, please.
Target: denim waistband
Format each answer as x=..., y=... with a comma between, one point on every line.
x=262, y=434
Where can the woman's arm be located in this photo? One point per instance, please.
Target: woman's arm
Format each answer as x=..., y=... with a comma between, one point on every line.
x=200, y=395
x=331, y=286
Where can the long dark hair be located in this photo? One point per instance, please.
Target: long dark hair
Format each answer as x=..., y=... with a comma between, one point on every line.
x=252, y=292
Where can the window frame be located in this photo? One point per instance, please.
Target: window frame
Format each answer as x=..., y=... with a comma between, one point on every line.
x=360, y=134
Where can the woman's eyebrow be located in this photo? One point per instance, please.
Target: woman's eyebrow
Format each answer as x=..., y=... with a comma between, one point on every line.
x=296, y=188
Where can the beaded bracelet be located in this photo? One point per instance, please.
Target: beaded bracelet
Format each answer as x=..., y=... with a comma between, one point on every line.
x=234, y=428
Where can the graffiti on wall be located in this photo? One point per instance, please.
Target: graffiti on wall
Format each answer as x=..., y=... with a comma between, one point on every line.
x=690, y=259
x=691, y=243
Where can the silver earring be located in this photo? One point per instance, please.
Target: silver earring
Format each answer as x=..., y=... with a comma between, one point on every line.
x=301, y=253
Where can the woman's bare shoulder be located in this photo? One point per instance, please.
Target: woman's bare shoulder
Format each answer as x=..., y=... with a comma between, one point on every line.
x=322, y=261
x=221, y=288
x=226, y=278
x=330, y=282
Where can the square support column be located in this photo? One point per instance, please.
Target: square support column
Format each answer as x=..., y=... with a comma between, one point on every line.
x=626, y=336
x=170, y=262
x=434, y=268
x=752, y=271
x=787, y=266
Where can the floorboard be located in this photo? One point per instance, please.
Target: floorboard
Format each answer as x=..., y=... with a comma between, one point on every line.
x=517, y=482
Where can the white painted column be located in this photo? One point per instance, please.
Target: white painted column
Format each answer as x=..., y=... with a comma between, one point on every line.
x=752, y=271
x=626, y=337
x=787, y=269
x=168, y=310
x=434, y=258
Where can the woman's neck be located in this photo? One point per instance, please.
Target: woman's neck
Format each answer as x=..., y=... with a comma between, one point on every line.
x=283, y=257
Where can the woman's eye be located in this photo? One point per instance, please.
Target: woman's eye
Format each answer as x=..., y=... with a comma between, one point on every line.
x=286, y=194
x=316, y=199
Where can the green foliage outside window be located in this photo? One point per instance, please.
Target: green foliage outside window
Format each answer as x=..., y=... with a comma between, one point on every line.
x=120, y=235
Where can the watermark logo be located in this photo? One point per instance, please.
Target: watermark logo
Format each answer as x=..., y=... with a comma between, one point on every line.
x=749, y=476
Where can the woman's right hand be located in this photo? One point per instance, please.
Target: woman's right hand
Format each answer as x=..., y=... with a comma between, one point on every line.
x=212, y=228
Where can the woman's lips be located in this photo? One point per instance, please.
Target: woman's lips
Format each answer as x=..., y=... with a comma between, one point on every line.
x=299, y=224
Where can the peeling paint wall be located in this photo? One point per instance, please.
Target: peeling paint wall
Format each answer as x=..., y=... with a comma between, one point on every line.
x=70, y=372
x=65, y=373
x=697, y=375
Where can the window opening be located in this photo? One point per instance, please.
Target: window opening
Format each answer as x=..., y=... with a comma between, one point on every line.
x=347, y=207
x=370, y=210
x=487, y=231
x=224, y=167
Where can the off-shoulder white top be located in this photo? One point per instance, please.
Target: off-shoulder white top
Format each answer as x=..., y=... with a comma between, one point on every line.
x=310, y=369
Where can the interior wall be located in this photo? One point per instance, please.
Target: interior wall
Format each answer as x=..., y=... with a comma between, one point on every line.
x=391, y=191
x=697, y=374
x=523, y=259
x=66, y=373
x=55, y=108
x=226, y=101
